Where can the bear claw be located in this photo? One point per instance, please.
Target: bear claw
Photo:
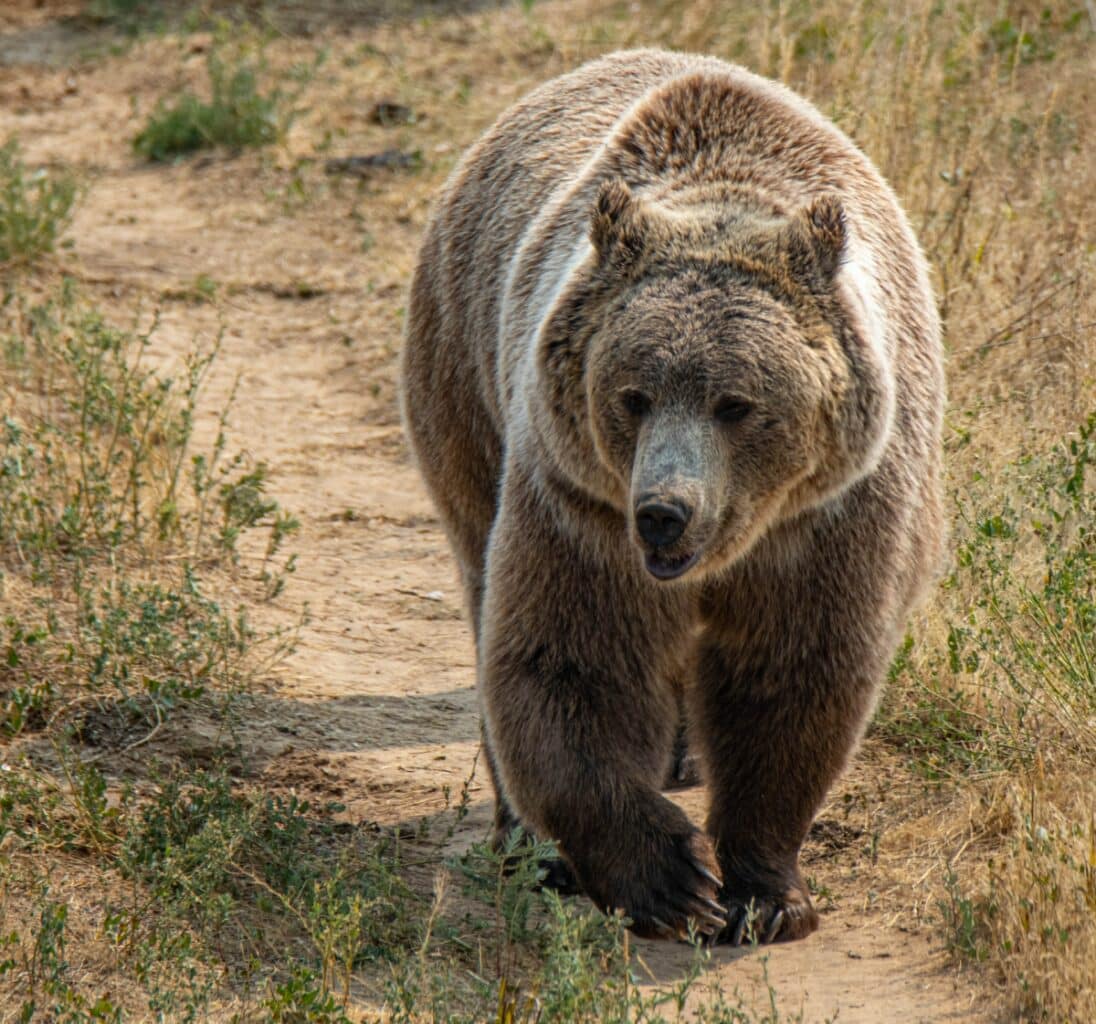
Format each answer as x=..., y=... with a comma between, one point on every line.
x=709, y=918
x=705, y=873
x=716, y=908
x=710, y=923
x=765, y=921
x=680, y=894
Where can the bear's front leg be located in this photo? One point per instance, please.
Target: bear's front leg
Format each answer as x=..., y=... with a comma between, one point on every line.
x=578, y=717
x=787, y=671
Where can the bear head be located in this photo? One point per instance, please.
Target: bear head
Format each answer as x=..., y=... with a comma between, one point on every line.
x=721, y=370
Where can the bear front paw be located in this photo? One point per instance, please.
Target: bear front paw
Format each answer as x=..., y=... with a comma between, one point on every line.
x=674, y=889
x=764, y=918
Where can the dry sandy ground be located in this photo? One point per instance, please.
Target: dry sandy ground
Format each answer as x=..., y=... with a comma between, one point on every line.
x=377, y=706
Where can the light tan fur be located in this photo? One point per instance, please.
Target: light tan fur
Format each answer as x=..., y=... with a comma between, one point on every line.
x=673, y=377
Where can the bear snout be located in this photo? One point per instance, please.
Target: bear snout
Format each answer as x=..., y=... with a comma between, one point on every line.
x=661, y=522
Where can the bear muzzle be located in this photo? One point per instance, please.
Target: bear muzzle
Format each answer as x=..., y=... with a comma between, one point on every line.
x=660, y=523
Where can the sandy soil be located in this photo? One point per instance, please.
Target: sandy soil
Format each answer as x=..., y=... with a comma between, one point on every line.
x=377, y=707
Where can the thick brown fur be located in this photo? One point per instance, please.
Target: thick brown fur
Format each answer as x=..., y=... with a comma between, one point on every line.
x=661, y=282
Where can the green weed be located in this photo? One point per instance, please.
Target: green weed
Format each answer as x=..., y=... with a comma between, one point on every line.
x=1031, y=562
x=537, y=958
x=49, y=989
x=237, y=114
x=216, y=875
x=303, y=999
x=1016, y=678
x=127, y=13
x=35, y=208
x=97, y=476
x=1031, y=910
x=1009, y=696
x=965, y=920
x=109, y=520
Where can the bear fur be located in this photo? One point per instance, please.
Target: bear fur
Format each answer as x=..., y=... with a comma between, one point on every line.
x=672, y=375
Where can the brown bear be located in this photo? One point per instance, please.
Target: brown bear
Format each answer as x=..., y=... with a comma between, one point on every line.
x=672, y=375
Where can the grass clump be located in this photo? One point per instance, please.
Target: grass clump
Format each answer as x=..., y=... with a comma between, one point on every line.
x=1029, y=642
x=98, y=483
x=244, y=869
x=1014, y=683
x=1024, y=655
x=126, y=14
x=35, y=208
x=107, y=516
x=521, y=954
x=112, y=523
x=237, y=114
x=205, y=885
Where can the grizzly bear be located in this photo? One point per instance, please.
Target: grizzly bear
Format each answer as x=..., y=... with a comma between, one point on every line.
x=672, y=375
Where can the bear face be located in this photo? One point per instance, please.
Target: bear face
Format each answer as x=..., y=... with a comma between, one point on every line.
x=709, y=404
x=712, y=380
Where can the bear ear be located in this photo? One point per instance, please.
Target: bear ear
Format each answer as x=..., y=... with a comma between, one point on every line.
x=815, y=239
x=618, y=225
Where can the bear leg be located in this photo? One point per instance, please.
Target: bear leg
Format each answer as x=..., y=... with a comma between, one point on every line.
x=779, y=706
x=581, y=717
x=557, y=874
x=684, y=771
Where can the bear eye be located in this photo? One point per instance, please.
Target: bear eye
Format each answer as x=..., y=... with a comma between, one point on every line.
x=732, y=410
x=635, y=403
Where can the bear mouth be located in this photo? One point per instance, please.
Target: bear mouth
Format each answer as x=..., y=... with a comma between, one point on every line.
x=663, y=567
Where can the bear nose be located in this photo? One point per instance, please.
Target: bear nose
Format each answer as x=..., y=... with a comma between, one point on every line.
x=661, y=522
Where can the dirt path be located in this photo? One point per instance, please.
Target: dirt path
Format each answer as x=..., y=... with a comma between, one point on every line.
x=377, y=706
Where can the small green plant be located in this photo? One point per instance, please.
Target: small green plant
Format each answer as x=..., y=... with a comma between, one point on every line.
x=1031, y=908
x=1016, y=43
x=43, y=975
x=1009, y=693
x=222, y=861
x=1031, y=559
x=237, y=114
x=201, y=290
x=93, y=486
x=541, y=958
x=965, y=920
x=103, y=638
x=35, y=208
x=303, y=1000
x=506, y=879
x=1016, y=676
x=124, y=12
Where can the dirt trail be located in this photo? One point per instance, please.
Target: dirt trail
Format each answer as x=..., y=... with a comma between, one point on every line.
x=377, y=706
